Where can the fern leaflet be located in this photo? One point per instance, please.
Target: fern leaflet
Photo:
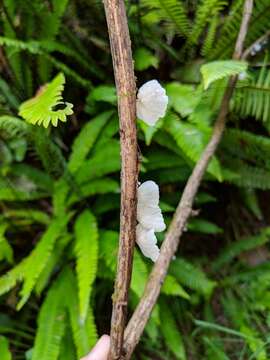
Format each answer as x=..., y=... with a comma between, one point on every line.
x=86, y=250
x=40, y=109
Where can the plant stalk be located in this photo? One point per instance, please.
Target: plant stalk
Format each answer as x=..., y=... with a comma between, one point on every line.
x=126, y=92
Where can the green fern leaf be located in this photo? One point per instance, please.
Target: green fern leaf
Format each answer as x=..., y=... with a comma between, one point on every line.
x=12, y=127
x=11, y=278
x=53, y=262
x=9, y=95
x=40, y=109
x=84, y=334
x=172, y=287
x=192, y=141
x=6, y=251
x=236, y=248
x=171, y=11
x=206, y=11
x=4, y=347
x=192, y=277
x=105, y=160
x=226, y=40
x=84, y=142
x=171, y=332
x=98, y=186
x=51, y=324
x=67, y=350
x=86, y=250
x=37, y=260
x=210, y=37
x=49, y=153
x=216, y=70
x=253, y=98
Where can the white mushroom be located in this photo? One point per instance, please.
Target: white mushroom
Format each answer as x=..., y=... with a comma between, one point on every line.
x=148, y=212
x=147, y=242
x=152, y=102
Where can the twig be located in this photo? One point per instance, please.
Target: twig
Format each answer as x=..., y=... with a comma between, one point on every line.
x=142, y=313
x=248, y=51
x=126, y=91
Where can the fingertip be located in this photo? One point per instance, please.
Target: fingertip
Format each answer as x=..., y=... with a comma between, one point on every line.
x=100, y=350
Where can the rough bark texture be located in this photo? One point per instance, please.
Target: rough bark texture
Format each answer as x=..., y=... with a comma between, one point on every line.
x=126, y=91
x=142, y=313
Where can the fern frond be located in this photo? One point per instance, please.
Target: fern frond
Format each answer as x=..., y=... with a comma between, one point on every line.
x=6, y=251
x=68, y=71
x=86, y=251
x=84, y=334
x=67, y=350
x=51, y=324
x=54, y=261
x=38, y=258
x=248, y=176
x=236, y=248
x=104, y=161
x=171, y=332
x=98, y=186
x=253, y=99
x=210, y=37
x=217, y=70
x=240, y=144
x=43, y=49
x=170, y=11
x=258, y=26
x=11, y=278
x=4, y=347
x=191, y=276
x=12, y=127
x=84, y=142
x=40, y=109
x=205, y=12
x=191, y=140
x=9, y=94
x=139, y=274
x=229, y=31
x=49, y=153
x=172, y=287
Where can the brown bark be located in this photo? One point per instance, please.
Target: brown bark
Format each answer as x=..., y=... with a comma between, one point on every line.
x=142, y=313
x=126, y=92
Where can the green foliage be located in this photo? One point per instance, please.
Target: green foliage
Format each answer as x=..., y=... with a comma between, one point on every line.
x=237, y=248
x=5, y=352
x=171, y=333
x=12, y=127
x=51, y=325
x=37, y=260
x=252, y=99
x=192, y=141
x=84, y=142
x=60, y=191
x=144, y=59
x=206, y=10
x=172, y=11
x=86, y=250
x=42, y=109
x=191, y=276
x=217, y=70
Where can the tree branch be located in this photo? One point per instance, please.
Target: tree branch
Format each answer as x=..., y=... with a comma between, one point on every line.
x=126, y=91
x=248, y=51
x=142, y=313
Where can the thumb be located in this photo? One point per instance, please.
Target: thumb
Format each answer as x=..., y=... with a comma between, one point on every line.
x=100, y=350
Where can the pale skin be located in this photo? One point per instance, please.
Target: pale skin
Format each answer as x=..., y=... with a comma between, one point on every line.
x=100, y=350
